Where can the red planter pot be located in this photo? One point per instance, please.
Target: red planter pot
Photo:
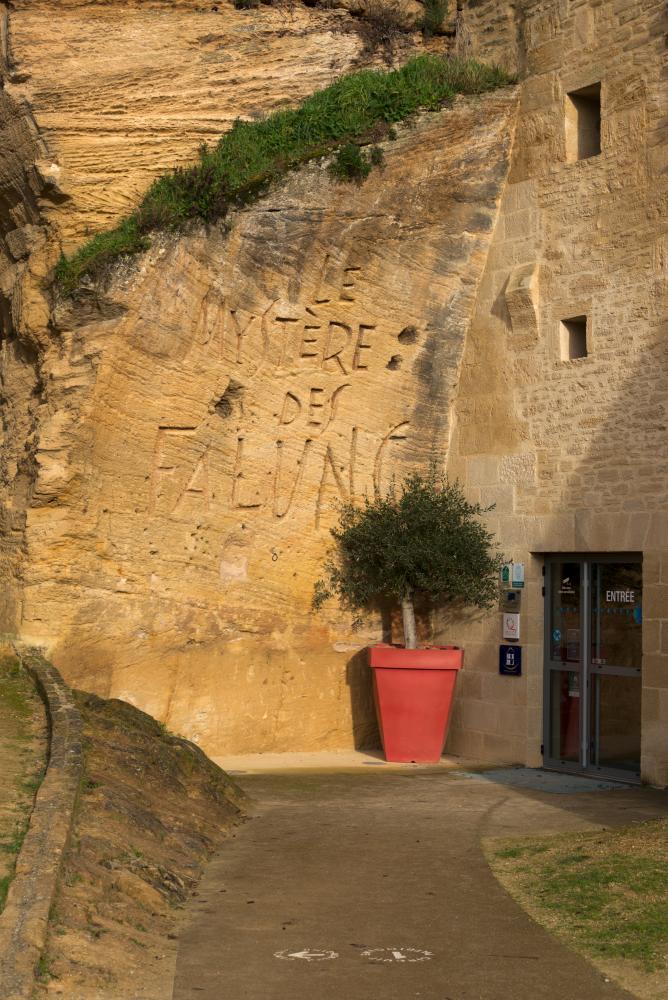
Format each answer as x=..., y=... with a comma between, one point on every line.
x=414, y=689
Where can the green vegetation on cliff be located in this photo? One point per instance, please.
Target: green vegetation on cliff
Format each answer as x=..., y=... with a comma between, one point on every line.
x=360, y=107
x=432, y=20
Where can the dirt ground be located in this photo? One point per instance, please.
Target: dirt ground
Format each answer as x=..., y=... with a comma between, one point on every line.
x=152, y=810
x=22, y=760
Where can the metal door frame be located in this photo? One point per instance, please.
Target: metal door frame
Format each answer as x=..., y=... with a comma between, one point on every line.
x=585, y=766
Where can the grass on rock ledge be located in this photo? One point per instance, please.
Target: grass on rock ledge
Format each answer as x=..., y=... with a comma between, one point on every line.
x=360, y=107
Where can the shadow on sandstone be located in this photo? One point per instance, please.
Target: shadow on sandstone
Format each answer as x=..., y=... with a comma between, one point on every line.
x=366, y=735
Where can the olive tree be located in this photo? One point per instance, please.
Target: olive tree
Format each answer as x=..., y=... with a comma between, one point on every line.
x=423, y=539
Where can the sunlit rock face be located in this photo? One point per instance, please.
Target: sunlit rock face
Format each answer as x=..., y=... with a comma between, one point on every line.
x=95, y=103
x=208, y=411
x=126, y=90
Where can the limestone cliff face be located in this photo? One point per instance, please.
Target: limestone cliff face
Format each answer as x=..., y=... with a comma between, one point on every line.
x=27, y=184
x=97, y=97
x=173, y=447
x=205, y=414
x=126, y=91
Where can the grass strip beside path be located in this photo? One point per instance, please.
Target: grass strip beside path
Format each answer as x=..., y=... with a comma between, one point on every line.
x=605, y=893
x=358, y=107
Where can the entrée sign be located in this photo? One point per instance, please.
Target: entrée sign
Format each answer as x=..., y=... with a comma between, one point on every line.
x=620, y=596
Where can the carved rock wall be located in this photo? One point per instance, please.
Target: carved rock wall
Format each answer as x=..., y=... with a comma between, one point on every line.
x=97, y=98
x=206, y=416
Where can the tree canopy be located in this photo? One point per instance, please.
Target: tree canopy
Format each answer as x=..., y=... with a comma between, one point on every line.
x=421, y=539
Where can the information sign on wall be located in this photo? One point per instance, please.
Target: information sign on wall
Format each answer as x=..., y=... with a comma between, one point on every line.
x=510, y=660
x=512, y=575
x=511, y=626
x=510, y=600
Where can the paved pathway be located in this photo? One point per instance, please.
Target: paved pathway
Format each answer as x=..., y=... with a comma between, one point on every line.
x=380, y=868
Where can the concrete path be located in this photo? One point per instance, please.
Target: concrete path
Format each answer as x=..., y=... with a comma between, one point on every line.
x=385, y=871
x=325, y=760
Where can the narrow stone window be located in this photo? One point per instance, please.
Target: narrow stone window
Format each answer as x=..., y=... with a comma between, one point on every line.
x=583, y=123
x=573, y=335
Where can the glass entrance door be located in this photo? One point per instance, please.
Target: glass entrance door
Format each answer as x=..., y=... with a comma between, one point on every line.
x=593, y=648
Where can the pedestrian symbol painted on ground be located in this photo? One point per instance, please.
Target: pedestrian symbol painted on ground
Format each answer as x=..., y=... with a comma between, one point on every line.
x=397, y=955
x=307, y=955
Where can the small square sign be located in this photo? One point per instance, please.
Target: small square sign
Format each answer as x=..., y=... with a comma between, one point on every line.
x=510, y=660
x=510, y=600
x=511, y=626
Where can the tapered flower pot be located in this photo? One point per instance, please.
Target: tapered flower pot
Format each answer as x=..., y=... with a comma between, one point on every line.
x=414, y=690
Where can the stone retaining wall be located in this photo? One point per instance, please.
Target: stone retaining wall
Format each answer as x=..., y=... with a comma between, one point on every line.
x=24, y=921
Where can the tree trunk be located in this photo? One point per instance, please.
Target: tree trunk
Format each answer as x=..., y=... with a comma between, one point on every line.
x=408, y=612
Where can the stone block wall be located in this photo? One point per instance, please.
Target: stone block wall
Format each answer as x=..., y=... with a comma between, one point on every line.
x=572, y=452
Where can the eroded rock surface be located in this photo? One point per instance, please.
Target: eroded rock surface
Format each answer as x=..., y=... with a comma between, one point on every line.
x=122, y=96
x=142, y=571
x=208, y=412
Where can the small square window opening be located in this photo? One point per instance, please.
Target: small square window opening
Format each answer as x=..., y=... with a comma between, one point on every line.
x=583, y=123
x=573, y=337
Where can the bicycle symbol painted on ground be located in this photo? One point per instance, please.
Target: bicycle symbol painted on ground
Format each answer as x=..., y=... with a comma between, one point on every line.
x=306, y=955
x=397, y=955
x=385, y=955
